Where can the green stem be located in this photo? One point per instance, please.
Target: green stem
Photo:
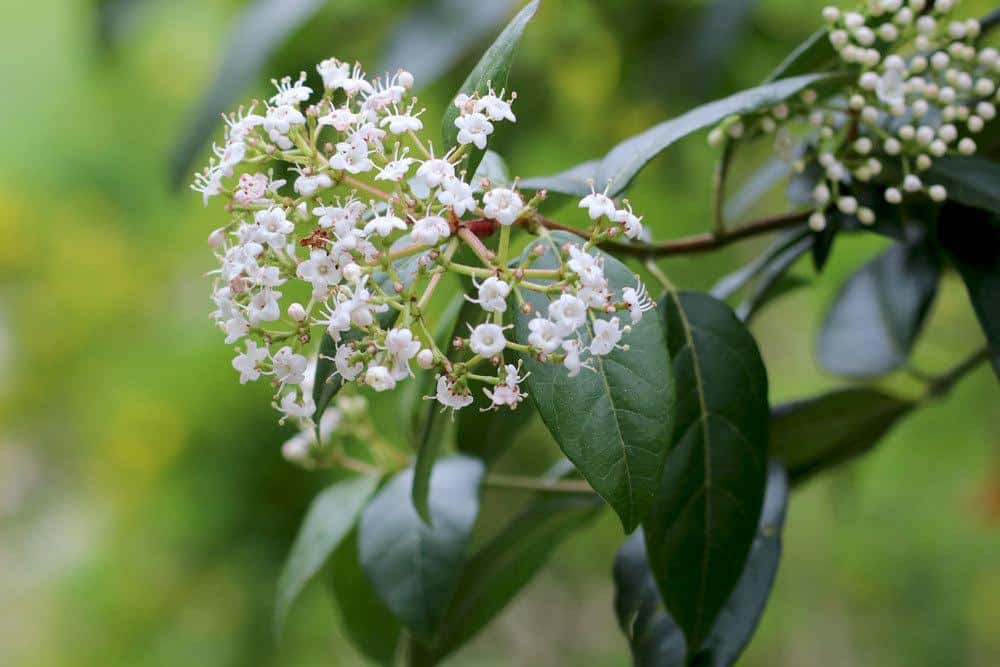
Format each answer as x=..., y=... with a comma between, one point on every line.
x=517, y=482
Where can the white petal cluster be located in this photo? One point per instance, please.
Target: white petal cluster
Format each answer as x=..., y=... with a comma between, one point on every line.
x=355, y=242
x=919, y=88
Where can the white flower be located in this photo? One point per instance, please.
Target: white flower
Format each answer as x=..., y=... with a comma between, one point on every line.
x=250, y=188
x=448, y=397
x=505, y=394
x=473, y=129
x=289, y=92
x=351, y=156
x=236, y=328
x=495, y=107
x=291, y=407
x=263, y=307
x=637, y=300
x=493, y=294
x=334, y=73
x=308, y=185
x=400, y=123
x=229, y=156
x=272, y=227
x=430, y=230
x=457, y=195
x=487, y=339
x=545, y=335
x=342, y=361
x=280, y=119
x=395, y=171
x=265, y=276
x=401, y=345
x=383, y=225
x=568, y=313
x=572, y=362
x=320, y=270
x=607, y=333
x=362, y=309
x=289, y=368
x=502, y=205
x=344, y=217
x=598, y=204
x=379, y=378
x=337, y=319
x=631, y=223
x=208, y=183
x=435, y=171
x=340, y=119
x=246, y=362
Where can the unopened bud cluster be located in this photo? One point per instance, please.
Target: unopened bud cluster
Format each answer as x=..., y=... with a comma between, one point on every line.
x=919, y=89
x=359, y=240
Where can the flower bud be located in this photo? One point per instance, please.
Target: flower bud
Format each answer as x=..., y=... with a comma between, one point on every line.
x=817, y=222
x=425, y=359
x=297, y=312
x=405, y=79
x=912, y=183
x=937, y=193
x=893, y=195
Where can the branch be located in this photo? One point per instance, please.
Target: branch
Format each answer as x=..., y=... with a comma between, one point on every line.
x=944, y=383
x=688, y=245
x=537, y=484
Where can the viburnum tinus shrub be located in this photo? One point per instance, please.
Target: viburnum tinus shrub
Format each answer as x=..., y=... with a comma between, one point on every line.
x=365, y=254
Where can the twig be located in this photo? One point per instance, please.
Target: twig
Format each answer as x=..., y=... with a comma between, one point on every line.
x=687, y=245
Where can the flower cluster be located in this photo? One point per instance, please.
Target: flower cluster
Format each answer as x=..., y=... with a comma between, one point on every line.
x=919, y=89
x=344, y=220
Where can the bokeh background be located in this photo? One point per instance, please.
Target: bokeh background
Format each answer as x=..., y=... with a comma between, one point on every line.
x=145, y=509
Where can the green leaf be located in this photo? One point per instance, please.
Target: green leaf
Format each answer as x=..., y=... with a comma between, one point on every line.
x=774, y=280
x=493, y=69
x=504, y=566
x=260, y=30
x=117, y=19
x=325, y=383
x=878, y=314
x=973, y=181
x=655, y=639
x=413, y=566
x=368, y=624
x=626, y=159
x=416, y=44
x=737, y=280
x=971, y=239
x=331, y=515
x=814, y=54
x=811, y=435
x=702, y=524
x=613, y=422
x=493, y=167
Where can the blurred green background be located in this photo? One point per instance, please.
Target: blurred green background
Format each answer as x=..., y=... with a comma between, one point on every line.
x=145, y=509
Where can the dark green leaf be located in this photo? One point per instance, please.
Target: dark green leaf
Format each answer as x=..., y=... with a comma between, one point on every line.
x=413, y=566
x=626, y=159
x=973, y=181
x=493, y=69
x=260, y=30
x=331, y=516
x=736, y=623
x=416, y=44
x=613, y=422
x=369, y=625
x=876, y=318
x=972, y=240
x=814, y=54
x=811, y=435
x=654, y=637
x=703, y=521
x=505, y=565
x=488, y=433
